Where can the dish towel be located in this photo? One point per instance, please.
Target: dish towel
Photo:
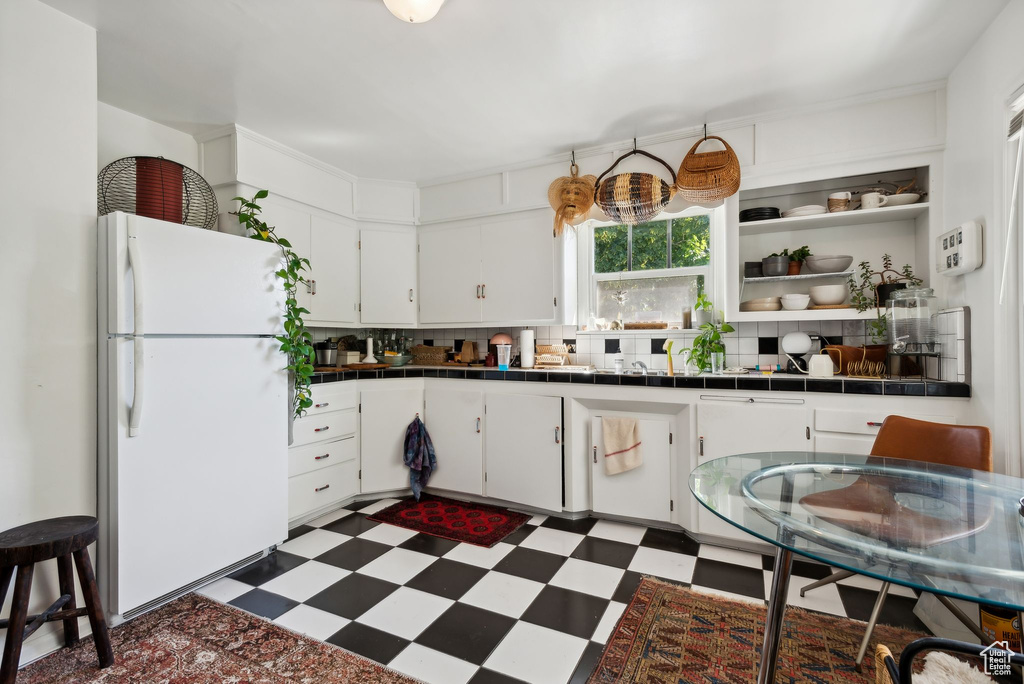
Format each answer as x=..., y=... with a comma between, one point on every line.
x=621, y=445
x=419, y=456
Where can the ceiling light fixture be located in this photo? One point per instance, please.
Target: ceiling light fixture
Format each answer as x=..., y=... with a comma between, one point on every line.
x=414, y=11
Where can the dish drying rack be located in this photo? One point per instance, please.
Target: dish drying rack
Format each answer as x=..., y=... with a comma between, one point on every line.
x=552, y=356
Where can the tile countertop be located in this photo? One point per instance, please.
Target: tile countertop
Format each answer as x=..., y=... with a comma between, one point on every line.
x=779, y=382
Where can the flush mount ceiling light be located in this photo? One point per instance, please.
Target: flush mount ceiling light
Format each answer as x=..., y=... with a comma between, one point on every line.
x=414, y=11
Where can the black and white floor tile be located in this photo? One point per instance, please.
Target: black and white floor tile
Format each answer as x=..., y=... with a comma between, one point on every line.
x=537, y=607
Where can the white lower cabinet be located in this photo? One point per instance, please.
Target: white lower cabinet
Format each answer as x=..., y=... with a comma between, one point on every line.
x=737, y=427
x=320, y=488
x=523, y=450
x=384, y=416
x=456, y=429
x=644, y=492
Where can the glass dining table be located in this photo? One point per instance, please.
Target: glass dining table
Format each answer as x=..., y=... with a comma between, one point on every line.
x=949, y=531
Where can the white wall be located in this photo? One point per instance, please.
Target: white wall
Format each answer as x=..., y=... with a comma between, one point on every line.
x=978, y=92
x=123, y=134
x=48, y=327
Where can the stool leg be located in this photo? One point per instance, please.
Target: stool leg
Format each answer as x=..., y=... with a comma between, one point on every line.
x=5, y=581
x=87, y=579
x=16, y=626
x=66, y=581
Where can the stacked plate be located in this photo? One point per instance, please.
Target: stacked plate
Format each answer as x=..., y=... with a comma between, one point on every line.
x=759, y=214
x=806, y=210
x=762, y=304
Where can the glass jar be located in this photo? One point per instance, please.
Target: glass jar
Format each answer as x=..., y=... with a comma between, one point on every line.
x=912, y=321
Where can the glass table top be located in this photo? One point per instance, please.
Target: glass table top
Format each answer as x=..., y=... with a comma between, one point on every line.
x=936, y=528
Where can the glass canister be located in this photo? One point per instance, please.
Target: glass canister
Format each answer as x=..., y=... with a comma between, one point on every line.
x=912, y=321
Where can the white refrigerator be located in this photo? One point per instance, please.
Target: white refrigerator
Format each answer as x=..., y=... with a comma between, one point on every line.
x=193, y=409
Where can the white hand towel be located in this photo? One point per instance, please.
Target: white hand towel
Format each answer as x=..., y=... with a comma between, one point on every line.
x=621, y=445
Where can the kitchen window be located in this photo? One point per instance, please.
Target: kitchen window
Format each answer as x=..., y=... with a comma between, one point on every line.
x=651, y=271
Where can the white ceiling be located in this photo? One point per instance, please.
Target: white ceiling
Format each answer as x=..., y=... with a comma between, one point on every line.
x=492, y=82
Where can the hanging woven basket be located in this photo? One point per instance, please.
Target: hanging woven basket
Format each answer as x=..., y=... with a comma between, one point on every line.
x=708, y=176
x=633, y=197
x=571, y=197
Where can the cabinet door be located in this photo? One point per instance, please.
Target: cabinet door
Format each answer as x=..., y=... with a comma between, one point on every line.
x=518, y=270
x=384, y=418
x=450, y=275
x=522, y=437
x=730, y=429
x=293, y=226
x=334, y=269
x=387, y=277
x=456, y=429
x=643, y=492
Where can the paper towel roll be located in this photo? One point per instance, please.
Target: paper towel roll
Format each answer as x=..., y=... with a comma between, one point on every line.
x=526, y=348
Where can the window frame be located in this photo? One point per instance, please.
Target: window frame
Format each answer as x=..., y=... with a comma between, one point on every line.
x=588, y=279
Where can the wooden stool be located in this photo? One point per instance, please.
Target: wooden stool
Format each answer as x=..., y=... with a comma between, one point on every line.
x=23, y=547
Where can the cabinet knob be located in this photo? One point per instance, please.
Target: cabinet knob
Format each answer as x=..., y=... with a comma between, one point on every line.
x=320, y=489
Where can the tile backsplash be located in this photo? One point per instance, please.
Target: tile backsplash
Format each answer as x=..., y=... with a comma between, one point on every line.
x=752, y=344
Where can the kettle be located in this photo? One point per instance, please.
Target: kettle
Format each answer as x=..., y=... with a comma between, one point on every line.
x=821, y=366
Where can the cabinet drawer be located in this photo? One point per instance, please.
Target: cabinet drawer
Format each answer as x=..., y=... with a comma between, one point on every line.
x=332, y=396
x=312, y=491
x=312, y=457
x=865, y=422
x=324, y=427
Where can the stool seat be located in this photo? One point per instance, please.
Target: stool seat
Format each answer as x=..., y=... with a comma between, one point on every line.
x=45, y=539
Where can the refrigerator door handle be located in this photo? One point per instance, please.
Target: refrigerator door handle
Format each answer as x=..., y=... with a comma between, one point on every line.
x=135, y=260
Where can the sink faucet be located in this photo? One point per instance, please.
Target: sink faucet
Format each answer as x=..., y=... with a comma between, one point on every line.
x=642, y=366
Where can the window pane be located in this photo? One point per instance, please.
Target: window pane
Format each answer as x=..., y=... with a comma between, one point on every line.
x=650, y=246
x=691, y=237
x=647, y=299
x=611, y=244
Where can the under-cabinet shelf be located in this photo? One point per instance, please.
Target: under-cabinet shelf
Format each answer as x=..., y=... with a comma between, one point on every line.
x=802, y=276
x=856, y=217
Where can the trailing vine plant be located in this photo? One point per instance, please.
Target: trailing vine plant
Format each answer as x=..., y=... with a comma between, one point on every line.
x=296, y=342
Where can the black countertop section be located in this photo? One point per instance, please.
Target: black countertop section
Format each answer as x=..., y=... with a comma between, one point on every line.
x=775, y=383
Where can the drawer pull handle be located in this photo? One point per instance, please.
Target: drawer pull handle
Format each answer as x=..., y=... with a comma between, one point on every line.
x=874, y=423
x=320, y=458
x=320, y=489
x=558, y=436
x=325, y=428
x=478, y=425
x=323, y=405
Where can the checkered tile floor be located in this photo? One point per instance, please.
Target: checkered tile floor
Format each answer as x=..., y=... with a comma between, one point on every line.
x=536, y=607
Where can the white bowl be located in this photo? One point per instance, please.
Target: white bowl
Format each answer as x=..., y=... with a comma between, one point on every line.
x=828, y=263
x=795, y=304
x=829, y=295
x=901, y=199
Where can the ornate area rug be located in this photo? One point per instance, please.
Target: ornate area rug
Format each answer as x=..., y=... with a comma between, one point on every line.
x=456, y=520
x=195, y=640
x=674, y=634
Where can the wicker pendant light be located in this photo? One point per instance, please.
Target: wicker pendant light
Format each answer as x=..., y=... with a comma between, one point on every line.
x=571, y=197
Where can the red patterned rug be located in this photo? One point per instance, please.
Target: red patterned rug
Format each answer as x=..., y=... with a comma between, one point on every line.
x=194, y=640
x=456, y=520
x=674, y=634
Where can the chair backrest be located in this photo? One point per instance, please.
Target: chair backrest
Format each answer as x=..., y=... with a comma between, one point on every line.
x=963, y=446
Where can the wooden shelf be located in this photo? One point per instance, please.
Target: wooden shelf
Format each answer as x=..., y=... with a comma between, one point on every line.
x=802, y=276
x=804, y=315
x=843, y=218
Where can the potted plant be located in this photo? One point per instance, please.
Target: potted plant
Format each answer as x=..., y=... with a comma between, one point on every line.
x=796, y=259
x=708, y=351
x=702, y=311
x=866, y=293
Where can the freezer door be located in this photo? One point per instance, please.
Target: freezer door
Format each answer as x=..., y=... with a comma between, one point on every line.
x=189, y=281
x=204, y=483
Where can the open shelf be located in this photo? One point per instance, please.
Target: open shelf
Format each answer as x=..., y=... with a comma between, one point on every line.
x=803, y=315
x=802, y=276
x=856, y=217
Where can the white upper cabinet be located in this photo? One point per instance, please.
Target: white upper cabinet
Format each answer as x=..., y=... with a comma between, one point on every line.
x=387, y=267
x=518, y=270
x=293, y=226
x=334, y=271
x=497, y=272
x=450, y=275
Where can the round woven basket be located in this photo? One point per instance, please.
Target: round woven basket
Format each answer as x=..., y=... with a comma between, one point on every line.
x=708, y=176
x=633, y=197
x=571, y=197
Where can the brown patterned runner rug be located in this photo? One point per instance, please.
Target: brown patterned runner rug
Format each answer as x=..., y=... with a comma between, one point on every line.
x=199, y=641
x=674, y=634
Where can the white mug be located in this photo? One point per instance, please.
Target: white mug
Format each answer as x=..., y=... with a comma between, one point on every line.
x=873, y=200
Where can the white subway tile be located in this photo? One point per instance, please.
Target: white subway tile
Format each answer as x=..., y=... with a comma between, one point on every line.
x=768, y=329
x=748, y=360
x=746, y=329
x=853, y=328
x=831, y=328
x=748, y=345
x=642, y=344
x=786, y=327
x=627, y=344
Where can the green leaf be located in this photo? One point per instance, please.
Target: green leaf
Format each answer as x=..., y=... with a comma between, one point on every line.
x=261, y=194
x=284, y=243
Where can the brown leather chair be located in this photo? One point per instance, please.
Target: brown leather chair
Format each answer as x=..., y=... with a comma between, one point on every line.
x=868, y=506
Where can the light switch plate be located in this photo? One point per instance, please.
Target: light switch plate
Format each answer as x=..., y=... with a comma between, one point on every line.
x=960, y=250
